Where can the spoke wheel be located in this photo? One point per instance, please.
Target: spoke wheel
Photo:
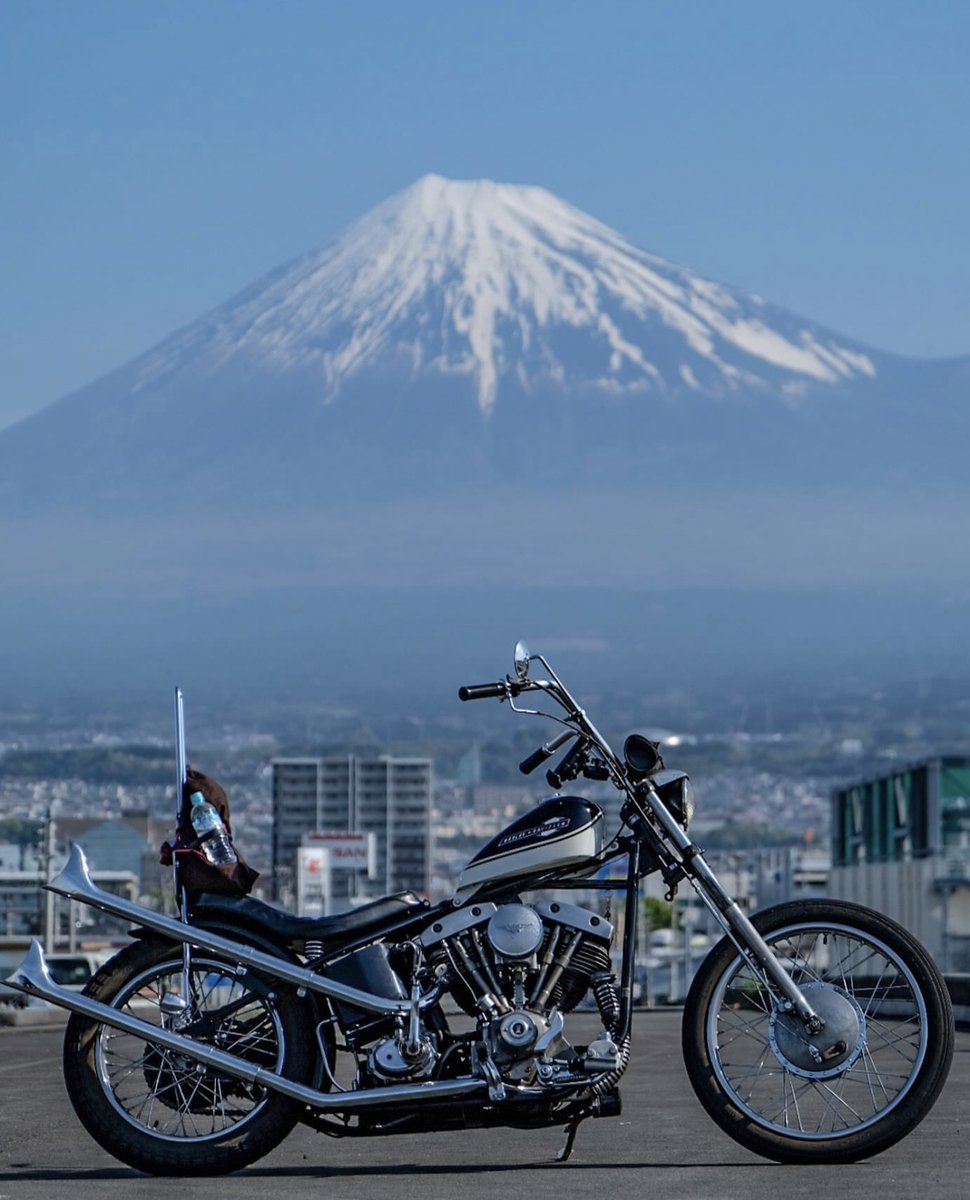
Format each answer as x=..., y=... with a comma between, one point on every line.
x=849, y=1092
x=161, y=1111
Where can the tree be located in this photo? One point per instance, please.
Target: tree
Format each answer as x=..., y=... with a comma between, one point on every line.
x=657, y=914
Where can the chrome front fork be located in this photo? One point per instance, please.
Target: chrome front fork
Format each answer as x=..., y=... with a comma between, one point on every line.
x=733, y=921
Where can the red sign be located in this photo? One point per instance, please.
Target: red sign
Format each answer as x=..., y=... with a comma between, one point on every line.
x=348, y=851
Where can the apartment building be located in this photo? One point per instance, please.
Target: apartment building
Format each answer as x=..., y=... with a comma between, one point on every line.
x=387, y=796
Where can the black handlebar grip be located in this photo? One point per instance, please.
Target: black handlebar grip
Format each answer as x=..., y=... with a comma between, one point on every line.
x=568, y=766
x=481, y=691
x=535, y=759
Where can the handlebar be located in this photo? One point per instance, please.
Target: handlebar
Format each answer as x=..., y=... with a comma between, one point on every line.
x=538, y=757
x=590, y=754
x=483, y=691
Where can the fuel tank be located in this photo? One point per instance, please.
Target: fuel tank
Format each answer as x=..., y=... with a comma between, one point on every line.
x=563, y=831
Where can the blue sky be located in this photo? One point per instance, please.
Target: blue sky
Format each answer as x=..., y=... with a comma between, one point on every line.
x=155, y=158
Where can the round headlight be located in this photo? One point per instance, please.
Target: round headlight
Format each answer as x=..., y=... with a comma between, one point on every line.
x=642, y=756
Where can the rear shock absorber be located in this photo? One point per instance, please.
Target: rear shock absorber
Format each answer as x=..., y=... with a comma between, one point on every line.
x=607, y=1000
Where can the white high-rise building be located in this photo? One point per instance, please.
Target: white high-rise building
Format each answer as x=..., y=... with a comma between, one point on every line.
x=389, y=797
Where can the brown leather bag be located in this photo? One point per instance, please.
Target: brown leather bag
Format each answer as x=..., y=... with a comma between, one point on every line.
x=195, y=873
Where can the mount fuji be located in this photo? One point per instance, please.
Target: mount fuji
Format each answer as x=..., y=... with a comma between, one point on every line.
x=480, y=413
x=481, y=281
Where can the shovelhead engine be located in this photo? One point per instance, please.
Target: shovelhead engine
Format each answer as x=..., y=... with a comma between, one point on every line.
x=512, y=965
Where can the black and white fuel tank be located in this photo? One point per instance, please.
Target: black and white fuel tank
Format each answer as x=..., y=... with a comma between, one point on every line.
x=563, y=831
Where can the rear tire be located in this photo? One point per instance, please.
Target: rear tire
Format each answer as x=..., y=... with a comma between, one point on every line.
x=859, y=1087
x=159, y=1112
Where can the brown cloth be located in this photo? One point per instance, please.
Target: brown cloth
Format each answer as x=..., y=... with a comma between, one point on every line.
x=195, y=873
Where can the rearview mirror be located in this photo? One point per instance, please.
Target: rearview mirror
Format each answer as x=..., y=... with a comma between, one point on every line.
x=522, y=657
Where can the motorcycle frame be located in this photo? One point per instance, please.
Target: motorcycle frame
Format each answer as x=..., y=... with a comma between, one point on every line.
x=653, y=828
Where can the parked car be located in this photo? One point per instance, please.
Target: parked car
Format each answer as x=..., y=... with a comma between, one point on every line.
x=69, y=970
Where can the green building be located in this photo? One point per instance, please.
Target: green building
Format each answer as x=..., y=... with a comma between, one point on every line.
x=919, y=810
x=901, y=844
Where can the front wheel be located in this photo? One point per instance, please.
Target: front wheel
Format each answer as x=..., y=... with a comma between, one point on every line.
x=866, y=1081
x=161, y=1112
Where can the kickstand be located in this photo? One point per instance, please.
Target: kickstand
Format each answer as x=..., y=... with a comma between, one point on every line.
x=567, y=1146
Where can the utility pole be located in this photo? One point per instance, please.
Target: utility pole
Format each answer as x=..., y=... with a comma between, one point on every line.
x=48, y=868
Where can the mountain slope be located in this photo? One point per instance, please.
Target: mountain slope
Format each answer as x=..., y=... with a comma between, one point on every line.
x=479, y=279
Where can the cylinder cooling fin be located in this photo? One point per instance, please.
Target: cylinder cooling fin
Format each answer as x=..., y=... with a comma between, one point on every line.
x=588, y=959
x=549, y=952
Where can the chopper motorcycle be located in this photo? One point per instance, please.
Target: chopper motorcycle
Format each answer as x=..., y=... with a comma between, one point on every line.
x=815, y=1031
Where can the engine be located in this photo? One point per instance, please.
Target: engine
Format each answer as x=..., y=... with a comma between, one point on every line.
x=542, y=956
x=517, y=968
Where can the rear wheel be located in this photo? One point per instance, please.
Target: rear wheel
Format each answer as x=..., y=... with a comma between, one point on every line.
x=855, y=1089
x=162, y=1112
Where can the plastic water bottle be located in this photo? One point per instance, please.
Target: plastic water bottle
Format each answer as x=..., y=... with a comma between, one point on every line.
x=211, y=831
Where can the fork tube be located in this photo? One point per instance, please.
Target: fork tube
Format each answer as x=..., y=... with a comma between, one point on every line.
x=747, y=939
x=728, y=914
x=752, y=945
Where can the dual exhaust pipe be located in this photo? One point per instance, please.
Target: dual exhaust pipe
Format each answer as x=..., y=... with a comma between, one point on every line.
x=33, y=978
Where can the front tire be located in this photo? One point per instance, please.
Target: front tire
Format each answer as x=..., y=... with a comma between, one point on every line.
x=872, y=1075
x=159, y=1112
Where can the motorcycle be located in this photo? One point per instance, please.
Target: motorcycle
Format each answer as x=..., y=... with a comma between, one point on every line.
x=815, y=1031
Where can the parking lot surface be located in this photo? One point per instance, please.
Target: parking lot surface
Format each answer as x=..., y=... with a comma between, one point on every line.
x=662, y=1145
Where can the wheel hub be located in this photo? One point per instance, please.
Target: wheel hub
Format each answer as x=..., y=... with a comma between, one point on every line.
x=831, y=1051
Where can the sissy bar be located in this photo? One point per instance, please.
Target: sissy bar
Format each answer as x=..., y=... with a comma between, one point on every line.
x=181, y=774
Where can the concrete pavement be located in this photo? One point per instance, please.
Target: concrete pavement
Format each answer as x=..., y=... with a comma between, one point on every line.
x=663, y=1144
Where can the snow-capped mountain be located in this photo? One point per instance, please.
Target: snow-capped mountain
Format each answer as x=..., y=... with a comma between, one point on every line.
x=486, y=280
x=450, y=328
x=477, y=414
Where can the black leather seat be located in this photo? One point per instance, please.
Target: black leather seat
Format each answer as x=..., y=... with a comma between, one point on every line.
x=245, y=911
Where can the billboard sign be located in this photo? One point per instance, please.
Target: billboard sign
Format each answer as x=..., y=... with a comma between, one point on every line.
x=348, y=851
x=313, y=867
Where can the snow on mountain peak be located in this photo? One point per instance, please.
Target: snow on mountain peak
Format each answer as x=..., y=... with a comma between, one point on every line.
x=484, y=279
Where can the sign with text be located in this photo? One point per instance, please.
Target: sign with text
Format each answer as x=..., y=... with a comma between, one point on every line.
x=348, y=851
x=313, y=893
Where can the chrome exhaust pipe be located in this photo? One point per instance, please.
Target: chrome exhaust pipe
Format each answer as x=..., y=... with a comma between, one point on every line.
x=76, y=883
x=33, y=978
